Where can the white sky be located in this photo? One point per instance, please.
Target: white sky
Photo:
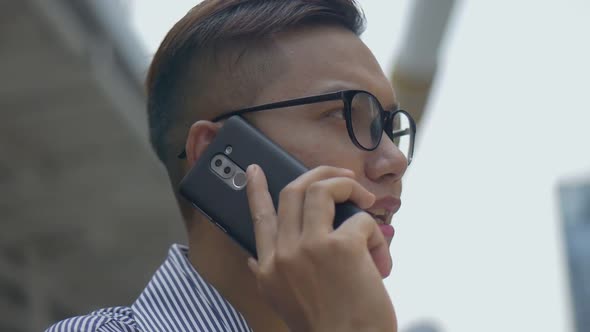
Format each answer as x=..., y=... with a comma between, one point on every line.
x=478, y=241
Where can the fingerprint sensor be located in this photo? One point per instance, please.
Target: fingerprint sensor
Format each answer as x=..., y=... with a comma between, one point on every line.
x=240, y=179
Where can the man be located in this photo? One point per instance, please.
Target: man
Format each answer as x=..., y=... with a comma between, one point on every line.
x=225, y=55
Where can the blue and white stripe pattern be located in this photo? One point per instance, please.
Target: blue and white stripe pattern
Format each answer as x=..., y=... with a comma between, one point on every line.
x=176, y=299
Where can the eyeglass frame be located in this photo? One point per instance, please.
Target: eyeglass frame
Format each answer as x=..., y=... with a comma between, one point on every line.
x=346, y=96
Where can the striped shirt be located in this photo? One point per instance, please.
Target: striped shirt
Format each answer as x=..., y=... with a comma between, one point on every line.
x=176, y=299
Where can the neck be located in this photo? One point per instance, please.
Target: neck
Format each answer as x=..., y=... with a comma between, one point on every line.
x=223, y=264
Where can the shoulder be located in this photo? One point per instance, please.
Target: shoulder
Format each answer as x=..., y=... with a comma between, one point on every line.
x=115, y=319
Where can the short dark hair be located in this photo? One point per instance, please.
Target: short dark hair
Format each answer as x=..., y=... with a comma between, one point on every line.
x=211, y=24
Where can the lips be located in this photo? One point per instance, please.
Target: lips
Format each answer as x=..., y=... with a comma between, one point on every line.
x=384, y=208
x=382, y=211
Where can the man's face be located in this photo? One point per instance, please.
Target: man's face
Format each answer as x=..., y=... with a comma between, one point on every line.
x=321, y=60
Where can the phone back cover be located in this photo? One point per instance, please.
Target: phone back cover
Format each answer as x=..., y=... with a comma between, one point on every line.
x=228, y=207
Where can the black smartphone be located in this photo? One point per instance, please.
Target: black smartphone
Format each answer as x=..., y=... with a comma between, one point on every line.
x=216, y=185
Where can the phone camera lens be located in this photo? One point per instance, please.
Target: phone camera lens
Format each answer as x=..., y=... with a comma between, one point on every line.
x=227, y=170
x=218, y=162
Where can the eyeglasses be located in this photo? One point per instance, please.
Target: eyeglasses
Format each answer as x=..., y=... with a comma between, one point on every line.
x=366, y=121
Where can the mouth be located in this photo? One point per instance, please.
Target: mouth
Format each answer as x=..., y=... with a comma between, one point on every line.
x=381, y=216
x=383, y=209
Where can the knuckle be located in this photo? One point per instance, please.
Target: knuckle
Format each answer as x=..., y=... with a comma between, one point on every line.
x=340, y=243
x=265, y=273
x=309, y=247
x=290, y=190
x=285, y=259
x=362, y=223
x=324, y=169
x=364, y=218
x=366, y=221
x=316, y=188
x=283, y=255
x=348, y=181
x=351, y=245
x=330, y=247
x=329, y=244
x=261, y=216
x=327, y=170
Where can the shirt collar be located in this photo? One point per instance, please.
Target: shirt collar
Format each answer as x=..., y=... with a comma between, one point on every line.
x=177, y=298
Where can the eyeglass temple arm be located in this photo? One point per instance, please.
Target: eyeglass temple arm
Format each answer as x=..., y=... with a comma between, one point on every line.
x=401, y=132
x=280, y=104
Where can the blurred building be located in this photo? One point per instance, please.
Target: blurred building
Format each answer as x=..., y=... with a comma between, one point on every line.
x=423, y=326
x=86, y=213
x=575, y=207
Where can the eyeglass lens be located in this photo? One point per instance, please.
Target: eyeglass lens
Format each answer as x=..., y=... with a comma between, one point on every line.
x=367, y=124
x=401, y=134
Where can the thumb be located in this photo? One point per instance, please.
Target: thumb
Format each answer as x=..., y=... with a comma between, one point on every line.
x=364, y=224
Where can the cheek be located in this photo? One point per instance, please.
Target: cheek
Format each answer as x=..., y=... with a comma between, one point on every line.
x=316, y=145
x=322, y=147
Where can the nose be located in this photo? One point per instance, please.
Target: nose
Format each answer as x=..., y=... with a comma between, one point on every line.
x=386, y=162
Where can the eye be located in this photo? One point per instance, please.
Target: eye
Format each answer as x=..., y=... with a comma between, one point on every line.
x=335, y=113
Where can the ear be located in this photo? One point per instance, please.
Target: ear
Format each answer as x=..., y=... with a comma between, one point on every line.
x=199, y=136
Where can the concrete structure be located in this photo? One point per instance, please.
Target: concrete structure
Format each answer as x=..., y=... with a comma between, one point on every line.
x=416, y=65
x=79, y=186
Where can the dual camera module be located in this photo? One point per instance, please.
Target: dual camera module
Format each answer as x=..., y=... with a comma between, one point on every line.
x=228, y=171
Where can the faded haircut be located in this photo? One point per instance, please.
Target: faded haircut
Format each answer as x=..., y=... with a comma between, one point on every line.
x=216, y=39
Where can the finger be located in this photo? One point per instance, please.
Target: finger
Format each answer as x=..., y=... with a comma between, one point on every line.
x=320, y=198
x=290, y=209
x=363, y=224
x=262, y=210
x=253, y=266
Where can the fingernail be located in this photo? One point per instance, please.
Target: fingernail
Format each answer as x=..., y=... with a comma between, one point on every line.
x=371, y=200
x=251, y=171
x=252, y=264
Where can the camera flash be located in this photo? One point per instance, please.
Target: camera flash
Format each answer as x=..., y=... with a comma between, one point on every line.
x=228, y=149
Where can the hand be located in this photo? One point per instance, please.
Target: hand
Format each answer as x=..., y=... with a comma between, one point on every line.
x=315, y=277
